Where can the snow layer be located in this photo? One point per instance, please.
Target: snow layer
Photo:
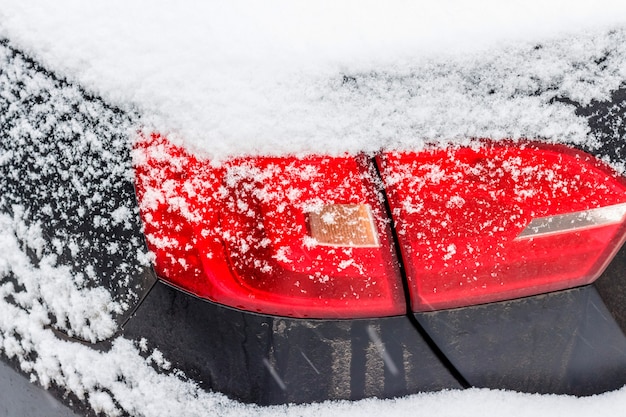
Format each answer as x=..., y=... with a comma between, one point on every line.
x=327, y=77
x=292, y=77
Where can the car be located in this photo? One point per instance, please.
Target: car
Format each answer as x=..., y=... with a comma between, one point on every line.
x=492, y=262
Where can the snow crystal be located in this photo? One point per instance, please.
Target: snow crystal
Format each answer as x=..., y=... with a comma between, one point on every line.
x=450, y=251
x=86, y=313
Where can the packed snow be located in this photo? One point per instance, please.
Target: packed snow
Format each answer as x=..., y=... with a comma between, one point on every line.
x=284, y=77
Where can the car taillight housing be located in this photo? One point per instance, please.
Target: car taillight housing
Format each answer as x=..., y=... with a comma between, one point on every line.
x=501, y=221
x=311, y=237
x=301, y=237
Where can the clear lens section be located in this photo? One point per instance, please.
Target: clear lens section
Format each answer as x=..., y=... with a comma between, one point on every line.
x=571, y=222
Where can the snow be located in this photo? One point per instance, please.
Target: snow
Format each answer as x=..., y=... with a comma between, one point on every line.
x=329, y=77
x=288, y=77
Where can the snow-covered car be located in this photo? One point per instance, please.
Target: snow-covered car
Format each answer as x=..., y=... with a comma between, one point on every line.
x=487, y=253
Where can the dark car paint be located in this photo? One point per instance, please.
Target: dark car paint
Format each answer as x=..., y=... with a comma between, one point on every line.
x=61, y=195
x=565, y=342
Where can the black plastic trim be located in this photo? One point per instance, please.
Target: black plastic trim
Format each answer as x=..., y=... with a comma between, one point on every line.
x=274, y=360
x=562, y=343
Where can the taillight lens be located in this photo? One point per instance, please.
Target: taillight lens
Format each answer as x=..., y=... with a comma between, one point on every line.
x=501, y=221
x=308, y=237
x=287, y=236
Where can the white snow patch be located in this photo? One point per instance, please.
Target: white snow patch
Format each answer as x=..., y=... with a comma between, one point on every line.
x=122, y=215
x=330, y=77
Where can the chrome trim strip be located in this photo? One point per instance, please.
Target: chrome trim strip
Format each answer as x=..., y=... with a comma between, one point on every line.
x=569, y=222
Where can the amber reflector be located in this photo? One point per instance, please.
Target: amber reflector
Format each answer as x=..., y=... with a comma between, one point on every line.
x=343, y=225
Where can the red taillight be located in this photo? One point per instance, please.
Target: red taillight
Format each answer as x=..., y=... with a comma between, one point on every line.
x=308, y=237
x=286, y=236
x=501, y=221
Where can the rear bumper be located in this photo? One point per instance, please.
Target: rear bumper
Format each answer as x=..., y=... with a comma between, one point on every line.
x=566, y=342
x=272, y=360
x=20, y=397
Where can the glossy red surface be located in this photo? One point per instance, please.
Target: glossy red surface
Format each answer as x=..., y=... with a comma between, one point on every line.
x=239, y=234
x=458, y=213
x=277, y=235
